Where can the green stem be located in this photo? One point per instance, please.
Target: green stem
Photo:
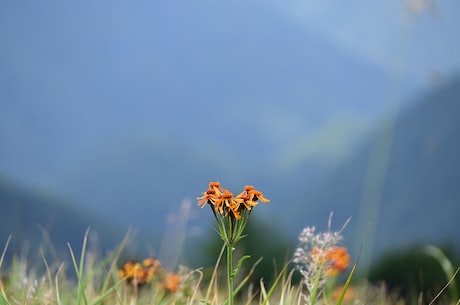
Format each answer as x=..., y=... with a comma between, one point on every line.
x=230, y=273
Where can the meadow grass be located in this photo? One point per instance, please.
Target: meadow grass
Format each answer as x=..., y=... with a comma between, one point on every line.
x=85, y=277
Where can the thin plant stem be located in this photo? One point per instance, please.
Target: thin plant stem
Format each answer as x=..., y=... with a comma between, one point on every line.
x=230, y=273
x=314, y=292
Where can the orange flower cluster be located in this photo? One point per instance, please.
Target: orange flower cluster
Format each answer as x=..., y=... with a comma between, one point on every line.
x=337, y=259
x=225, y=203
x=138, y=274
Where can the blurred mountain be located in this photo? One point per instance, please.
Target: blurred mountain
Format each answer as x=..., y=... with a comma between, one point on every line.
x=141, y=179
x=401, y=187
x=36, y=219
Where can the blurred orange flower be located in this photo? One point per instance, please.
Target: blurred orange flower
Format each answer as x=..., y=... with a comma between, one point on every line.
x=171, y=282
x=151, y=262
x=338, y=259
x=137, y=273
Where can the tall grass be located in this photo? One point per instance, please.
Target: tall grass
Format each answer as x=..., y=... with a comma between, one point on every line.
x=84, y=277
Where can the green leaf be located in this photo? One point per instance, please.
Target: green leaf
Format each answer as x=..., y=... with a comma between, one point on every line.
x=446, y=266
x=238, y=266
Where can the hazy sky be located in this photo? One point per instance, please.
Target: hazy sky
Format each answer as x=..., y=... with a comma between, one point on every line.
x=301, y=76
x=423, y=32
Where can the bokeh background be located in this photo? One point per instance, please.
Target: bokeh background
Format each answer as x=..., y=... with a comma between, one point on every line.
x=116, y=115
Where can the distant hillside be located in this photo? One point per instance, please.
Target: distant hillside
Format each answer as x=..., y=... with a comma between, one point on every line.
x=411, y=195
x=36, y=219
x=419, y=200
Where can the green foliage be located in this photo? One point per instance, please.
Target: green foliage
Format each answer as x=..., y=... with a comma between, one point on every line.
x=412, y=273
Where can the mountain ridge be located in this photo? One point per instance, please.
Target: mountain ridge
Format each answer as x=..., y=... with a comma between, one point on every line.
x=419, y=197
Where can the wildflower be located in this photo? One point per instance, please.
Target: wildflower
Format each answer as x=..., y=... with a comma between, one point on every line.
x=137, y=273
x=151, y=262
x=317, y=257
x=250, y=197
x=171, y=282
x=228, y=208
x=224, y=203
x=231, y=213
x=337, y=259
x=212, y=194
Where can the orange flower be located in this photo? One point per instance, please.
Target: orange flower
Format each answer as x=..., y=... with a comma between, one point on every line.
x=339, y=260
x=255, y=195
x=235, y=207
x=215, y=185
x=128, y=269
x=151, y=262
x=224, y=203
x=171, y=282
x=250, y=196
x=212, y=194
x=336, y=258
x=137, y=273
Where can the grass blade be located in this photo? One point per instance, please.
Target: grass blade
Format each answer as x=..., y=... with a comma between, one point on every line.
x=272, y=289
x=79, y=270
x=451, y=280
x=347, y=284
x=4, y=251
x=446, y=266
x=3, y=297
